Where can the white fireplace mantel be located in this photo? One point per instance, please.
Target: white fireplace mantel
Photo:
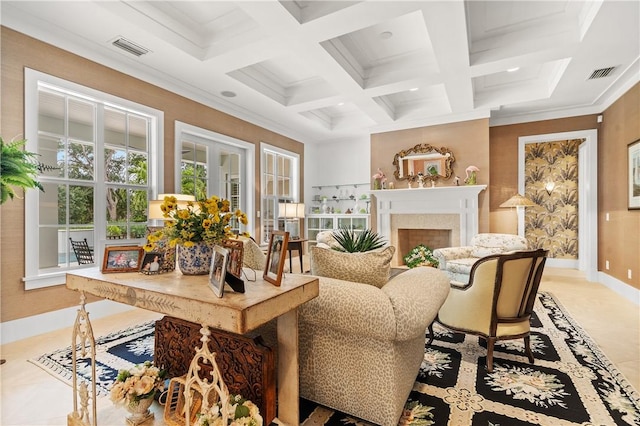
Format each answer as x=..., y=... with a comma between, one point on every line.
x=460, y=200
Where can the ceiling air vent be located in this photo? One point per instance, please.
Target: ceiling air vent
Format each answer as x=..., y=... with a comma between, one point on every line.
x=130, y=46
x=601, y=73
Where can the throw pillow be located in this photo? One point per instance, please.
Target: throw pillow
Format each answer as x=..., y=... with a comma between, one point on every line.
x=370, y=267
x=482, y=251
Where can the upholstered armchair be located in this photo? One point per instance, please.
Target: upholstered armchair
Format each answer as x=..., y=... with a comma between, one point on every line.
x=456, y=262
x=498, y=301
x=362, y=339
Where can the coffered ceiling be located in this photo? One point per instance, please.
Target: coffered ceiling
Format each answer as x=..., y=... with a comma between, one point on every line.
x=333, y=70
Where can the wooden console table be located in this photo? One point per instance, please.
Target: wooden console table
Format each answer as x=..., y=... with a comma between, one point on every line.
x=189, y=298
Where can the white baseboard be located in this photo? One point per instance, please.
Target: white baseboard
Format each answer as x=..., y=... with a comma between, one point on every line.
x=622, y=288
x=19, y=329
x=562, y=263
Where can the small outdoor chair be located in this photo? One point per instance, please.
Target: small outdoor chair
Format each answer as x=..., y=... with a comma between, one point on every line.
x=83, y=252
x=497, y=302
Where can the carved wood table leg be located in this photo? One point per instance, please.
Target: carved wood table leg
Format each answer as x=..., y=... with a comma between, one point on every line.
x=207, y=385
x=83, y=341
x=288, y=380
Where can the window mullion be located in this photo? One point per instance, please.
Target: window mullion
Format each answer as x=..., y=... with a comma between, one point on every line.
x=100, y=215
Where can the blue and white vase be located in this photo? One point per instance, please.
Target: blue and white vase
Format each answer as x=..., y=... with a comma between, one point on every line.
x=195, y=260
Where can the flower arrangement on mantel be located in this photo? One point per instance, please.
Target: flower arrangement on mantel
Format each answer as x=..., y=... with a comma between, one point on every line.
x=420, y=255
x=242, y=412
x=208, y=220
x=137, y=383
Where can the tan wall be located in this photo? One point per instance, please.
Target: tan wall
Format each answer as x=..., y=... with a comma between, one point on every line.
x=618, y=238
x=468, y=140
x=19, y=51
x=504, y=163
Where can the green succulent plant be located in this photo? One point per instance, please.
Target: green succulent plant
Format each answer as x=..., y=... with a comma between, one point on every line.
x=352, y=242
x=18, y=169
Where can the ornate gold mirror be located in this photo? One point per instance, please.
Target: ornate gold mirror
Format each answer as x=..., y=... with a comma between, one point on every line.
x=424, y=161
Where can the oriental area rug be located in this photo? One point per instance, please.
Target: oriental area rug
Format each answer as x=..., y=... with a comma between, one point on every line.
x=571, y=382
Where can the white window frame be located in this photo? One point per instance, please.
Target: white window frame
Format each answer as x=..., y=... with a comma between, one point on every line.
x=34, y=277
x=215, y=141
x=295, y=181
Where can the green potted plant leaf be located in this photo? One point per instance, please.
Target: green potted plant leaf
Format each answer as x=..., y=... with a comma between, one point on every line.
x=351, y=242
x=18, y=169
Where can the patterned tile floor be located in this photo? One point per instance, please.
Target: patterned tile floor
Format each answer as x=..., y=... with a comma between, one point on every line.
x=30, y=396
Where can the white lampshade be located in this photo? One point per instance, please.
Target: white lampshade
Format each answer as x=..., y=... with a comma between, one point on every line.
x=154, y=205
x=291, y=210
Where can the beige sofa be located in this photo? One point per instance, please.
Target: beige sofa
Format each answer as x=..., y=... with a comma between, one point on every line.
x=456, y=262
x=362, y=343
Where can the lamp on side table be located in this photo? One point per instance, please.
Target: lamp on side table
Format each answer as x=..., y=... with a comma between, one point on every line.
x=292, y=213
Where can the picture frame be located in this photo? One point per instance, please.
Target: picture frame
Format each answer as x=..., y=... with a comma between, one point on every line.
x=152, y=263
x=236, y=252
x=633, y=175
x=276, y=256
x=218, y=270
x=163, y=247
x=121, y=259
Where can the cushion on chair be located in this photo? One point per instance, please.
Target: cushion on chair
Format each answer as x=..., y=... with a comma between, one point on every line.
x=252, y=255
x=370, y=267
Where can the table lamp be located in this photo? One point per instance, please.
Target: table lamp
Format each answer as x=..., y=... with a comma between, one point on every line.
x=292, y=213
x=155, y=212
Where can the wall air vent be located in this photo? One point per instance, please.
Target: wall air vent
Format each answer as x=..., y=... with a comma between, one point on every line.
x=129, y=46
x=601, y=73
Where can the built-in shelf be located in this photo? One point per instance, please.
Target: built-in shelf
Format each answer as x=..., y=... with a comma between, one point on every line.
x=340, y=198
x=342, y=185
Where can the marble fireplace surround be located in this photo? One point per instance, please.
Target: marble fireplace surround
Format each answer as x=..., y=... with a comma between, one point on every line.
x=453, y=208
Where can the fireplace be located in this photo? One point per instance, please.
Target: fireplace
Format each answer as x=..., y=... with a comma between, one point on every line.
x=407, y=239
x=444, y=216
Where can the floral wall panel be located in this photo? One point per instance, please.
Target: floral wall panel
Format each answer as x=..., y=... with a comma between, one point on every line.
x=553, y=223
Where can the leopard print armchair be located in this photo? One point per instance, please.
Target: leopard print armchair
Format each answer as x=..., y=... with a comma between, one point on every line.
x=361, y=345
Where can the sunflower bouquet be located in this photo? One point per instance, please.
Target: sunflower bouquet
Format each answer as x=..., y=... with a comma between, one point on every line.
x=209, y=221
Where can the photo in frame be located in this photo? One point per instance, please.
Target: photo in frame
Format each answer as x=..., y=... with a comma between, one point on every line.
x=236, y=250
x=633, y=155
x=121, y=259
x=218, y=270
x=151, y=263
x=276, y=256
x=162, y=246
